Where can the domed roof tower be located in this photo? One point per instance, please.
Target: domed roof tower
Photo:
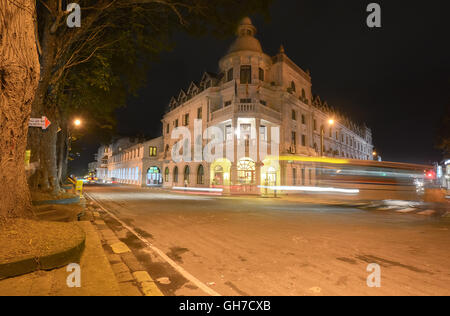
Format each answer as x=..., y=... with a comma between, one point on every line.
x=246, y=40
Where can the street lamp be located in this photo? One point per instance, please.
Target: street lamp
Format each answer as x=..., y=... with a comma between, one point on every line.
x=77, y=122
x=322, y=132
x=375, y=155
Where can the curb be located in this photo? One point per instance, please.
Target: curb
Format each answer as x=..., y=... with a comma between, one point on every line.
x=48, y=262
x=60, y=202
x=124, y=259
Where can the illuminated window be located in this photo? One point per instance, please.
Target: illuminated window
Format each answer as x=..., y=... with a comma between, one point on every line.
x=246, y=171
x=218, y=175
x=154, y=176
x=166, y=174
x=153, y=151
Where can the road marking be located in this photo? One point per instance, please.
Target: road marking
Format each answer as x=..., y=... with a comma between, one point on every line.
x=177, y=267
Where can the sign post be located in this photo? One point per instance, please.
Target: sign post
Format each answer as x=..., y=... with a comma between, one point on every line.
x=42, y=122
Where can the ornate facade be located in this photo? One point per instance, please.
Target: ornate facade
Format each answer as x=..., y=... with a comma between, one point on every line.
x=254, y=93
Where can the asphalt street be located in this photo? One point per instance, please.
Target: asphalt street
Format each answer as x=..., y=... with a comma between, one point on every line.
x=269, y=246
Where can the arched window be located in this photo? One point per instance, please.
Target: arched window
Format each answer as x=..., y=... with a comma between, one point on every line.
x=166, y=152
x=166, y=174
x=200, y=175
x=187, y=173
x=175, y=175
x=218, y=175
x=293, y=86
x=246, y=171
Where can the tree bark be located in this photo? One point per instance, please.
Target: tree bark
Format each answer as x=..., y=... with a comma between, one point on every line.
x=62, y=153
x=43, y=143
x=19, y=73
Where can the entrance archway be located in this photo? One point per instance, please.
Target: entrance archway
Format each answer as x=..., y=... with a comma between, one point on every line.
x=218, y=175
x=154, y=176
x=271, y=176
x=220, y=172
x=246, y=169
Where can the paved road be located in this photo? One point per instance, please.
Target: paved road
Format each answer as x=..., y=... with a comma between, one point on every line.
x=256, y=246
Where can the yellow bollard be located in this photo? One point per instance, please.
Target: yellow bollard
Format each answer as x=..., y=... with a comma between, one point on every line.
x=79, y=187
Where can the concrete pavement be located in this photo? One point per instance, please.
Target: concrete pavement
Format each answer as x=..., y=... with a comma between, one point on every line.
x=97, y=277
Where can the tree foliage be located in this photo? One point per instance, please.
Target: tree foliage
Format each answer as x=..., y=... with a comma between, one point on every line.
x=90, y=70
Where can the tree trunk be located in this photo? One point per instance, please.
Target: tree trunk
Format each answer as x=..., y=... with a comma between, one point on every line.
x=62, y=150
x=19, y=73
x=48, y=155
x=43, y=143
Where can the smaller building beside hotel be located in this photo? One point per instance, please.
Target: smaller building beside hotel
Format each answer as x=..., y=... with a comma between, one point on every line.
x=129, y=161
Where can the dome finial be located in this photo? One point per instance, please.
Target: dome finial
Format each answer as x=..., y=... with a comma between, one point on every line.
x=282, y=50
x=246, y=39
x=246, y=27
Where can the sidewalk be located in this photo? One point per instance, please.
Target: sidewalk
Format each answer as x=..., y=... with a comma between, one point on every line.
x=97, y=276
x=104, y=267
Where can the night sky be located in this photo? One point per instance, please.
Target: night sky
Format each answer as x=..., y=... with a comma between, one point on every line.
x=395, y=79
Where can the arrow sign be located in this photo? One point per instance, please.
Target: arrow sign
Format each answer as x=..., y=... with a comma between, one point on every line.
x=42, y=122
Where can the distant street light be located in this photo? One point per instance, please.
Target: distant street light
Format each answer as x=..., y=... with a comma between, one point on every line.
x=322, y=132
x=77, y=122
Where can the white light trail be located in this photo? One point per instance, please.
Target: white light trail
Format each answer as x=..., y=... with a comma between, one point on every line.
x=198, y=189
x=310, y=189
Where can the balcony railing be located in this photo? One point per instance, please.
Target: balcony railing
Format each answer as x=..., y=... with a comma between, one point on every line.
x=245, y=108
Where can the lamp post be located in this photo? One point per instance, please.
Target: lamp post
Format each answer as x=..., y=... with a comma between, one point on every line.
x=322, y=132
